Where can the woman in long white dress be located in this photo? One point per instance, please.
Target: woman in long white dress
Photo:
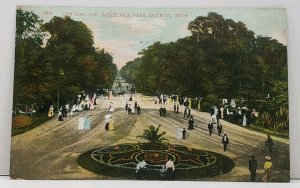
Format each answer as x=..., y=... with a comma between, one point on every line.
x=80, y=123
x=244, y=120
x=179, y=133
x=72, y=110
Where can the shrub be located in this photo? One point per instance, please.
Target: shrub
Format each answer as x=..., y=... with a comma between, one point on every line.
x=210, y=100
x=21, y=121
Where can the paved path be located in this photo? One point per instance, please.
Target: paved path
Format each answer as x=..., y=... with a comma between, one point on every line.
x=50, y=151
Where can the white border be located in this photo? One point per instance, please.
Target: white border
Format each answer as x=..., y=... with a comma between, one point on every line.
x=7, y=30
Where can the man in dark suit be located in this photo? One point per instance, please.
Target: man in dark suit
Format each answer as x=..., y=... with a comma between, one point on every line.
x=252, y=167
x=191, y=123
x=164, y=111
x=210, y=127
x=219, y=127
x=225, y=141
x=183, y=134
x=161, y=111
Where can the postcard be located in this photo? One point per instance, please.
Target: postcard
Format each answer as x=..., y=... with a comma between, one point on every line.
x=150, y=94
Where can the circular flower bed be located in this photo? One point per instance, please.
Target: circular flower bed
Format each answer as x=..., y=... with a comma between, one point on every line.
x=121, y=161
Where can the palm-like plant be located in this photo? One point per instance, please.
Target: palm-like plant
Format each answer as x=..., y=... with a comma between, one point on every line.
x=152, y=136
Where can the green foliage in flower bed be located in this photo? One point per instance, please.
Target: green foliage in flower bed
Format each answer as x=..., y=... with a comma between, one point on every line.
x=35, y=121
x=120, y=161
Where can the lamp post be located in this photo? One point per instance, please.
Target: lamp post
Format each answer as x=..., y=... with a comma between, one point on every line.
x=60, y=73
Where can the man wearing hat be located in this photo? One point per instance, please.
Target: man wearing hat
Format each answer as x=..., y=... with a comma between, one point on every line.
x=267, y=166
x=252, y=167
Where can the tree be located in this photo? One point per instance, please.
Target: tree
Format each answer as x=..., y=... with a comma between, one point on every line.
x=61, y=66
x=152, y=136
x=71, y=47
x=222, y=57
x=29, y=83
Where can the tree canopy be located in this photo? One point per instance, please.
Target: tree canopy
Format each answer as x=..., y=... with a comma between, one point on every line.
x=221, y=57
x=57, y=57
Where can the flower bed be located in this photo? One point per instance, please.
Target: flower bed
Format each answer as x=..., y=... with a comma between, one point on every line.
x=121, y=161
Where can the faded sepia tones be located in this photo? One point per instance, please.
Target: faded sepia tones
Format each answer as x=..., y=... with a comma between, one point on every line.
x=150, y=94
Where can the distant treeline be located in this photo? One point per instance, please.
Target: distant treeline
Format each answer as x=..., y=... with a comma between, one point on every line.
x=221, y=57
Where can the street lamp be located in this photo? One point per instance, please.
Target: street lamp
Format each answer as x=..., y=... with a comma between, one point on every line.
x=60, y=73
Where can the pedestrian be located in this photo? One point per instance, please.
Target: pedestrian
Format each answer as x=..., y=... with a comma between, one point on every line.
x=219, y=127
x=188, y=112
x=268, y=167
x=126, y=106
x=81, y=123
x=210, y=128
x=92, y=102
x=177, y=108
x=252, y=167
x=51, y=111
x=60, y=115
x=225, y=141
x=164, y=111
x=111, y=124
x=269, y=143
x=212, y=110
x=170, y=169
x=107, y=121
x=183, y=134
x=87, y=123
x=191, y=123
x=64, y=111
x=179, y=133
x=214, y=118
x=174, y=107
x=161, y=111
x=129, y=109
x=185, y=112
x=111, y=107
x=138, y=108
x=222, y=112
x=132, y=110
x=244, y=120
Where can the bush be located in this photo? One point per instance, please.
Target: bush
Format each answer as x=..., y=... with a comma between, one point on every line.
x=21, y=121
x=210, y=100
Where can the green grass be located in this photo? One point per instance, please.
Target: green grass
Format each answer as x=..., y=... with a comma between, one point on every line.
x=281, y=134
x=37, y=120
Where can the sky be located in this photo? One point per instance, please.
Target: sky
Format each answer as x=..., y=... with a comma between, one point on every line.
x=123, y=32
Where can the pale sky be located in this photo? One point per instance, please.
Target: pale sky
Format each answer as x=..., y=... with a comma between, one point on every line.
x=123, y=32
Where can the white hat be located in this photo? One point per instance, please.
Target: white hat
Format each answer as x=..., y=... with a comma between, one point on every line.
x=268, y=158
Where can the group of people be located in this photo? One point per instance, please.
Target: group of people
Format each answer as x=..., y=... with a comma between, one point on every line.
x=162, y=111
x=63, y=112
x=268, y=165
x=84, y=123
x=132, y=110
x=167, y=171
x=82, y=102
